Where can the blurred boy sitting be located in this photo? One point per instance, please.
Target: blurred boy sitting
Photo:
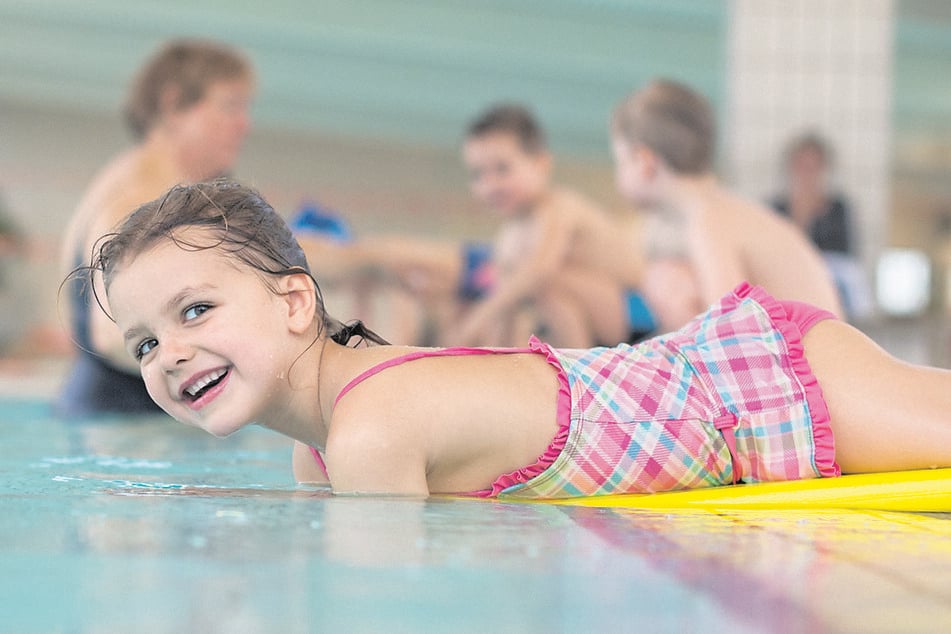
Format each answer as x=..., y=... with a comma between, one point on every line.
x=663, y=144
x=564, y=267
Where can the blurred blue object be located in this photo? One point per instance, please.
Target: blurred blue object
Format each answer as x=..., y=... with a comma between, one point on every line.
x=313, y=217
x=640, y=318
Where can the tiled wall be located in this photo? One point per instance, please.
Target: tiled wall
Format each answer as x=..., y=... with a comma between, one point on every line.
x=824, y=65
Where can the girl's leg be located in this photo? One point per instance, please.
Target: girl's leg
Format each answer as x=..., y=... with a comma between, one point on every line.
x=887, y=415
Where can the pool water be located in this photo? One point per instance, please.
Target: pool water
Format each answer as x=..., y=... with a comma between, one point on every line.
x=144, y=525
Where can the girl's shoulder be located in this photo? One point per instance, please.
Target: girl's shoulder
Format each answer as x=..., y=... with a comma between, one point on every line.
x=375, y=442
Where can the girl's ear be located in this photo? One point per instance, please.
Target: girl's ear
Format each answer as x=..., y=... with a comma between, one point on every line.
x=301, y=297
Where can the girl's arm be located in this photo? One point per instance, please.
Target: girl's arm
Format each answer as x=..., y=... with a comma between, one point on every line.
x=370, y=458
x=531, y=271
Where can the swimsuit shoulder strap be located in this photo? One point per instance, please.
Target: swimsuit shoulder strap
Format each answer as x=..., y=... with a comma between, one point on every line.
x=422, y=354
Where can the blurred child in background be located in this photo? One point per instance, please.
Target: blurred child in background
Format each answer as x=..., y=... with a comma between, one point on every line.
x=564, y=268
x=663, y=140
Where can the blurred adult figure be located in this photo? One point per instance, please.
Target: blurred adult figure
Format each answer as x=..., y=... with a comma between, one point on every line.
x=188, y=111
x=809, y=200
x=824, y=214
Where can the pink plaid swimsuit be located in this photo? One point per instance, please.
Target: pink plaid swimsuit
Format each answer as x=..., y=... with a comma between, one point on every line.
x=727, y=398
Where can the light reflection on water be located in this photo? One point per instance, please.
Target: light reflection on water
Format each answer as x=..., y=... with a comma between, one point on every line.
x=114, y=524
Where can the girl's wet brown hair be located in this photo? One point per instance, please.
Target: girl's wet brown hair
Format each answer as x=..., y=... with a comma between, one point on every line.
x=238, y=221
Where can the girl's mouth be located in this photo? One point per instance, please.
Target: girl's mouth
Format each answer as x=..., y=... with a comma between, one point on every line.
x=202, y=384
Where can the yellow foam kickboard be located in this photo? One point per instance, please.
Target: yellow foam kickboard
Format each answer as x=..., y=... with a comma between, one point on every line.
x=926, y=490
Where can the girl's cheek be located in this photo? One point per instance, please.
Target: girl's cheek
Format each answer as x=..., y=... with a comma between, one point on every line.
x=148, y=376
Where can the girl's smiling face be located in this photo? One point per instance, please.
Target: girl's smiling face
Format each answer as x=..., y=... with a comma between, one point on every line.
x=210, y=337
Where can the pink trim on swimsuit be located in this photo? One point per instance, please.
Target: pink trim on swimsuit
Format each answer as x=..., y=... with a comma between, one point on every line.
x=320, y=462
x=793, y=320
x=563, y=416
x=422, y=354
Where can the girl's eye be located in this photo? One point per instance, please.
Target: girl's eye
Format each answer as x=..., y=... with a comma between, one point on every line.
x=144, y=348
x=195, y=311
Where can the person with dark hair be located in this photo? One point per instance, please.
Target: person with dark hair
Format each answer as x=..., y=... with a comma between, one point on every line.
x=822, y=213
x=188, y=111
x=218, y=308
x=808, y=199
x=513, y=119
x=663, y=139
x=564, y=267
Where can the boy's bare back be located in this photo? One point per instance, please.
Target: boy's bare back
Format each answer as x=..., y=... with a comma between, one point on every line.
x=760, y=247
x=709, y=239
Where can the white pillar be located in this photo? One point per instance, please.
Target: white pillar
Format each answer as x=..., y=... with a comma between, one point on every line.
x=824, y=65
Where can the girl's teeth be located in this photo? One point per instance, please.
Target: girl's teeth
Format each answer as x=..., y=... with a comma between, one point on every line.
x=192, y=390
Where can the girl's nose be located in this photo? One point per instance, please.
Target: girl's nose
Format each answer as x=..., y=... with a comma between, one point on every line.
x=174, y=355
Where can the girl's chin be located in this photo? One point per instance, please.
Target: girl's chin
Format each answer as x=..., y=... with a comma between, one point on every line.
x=224, y=433
x=217, y=429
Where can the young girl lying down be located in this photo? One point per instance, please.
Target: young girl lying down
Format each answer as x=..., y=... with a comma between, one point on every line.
x=215, y=300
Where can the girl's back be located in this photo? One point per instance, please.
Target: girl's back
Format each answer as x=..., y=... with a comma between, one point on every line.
x=465, y=435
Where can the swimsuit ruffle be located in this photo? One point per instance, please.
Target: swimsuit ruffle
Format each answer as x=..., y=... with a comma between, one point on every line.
x=793, y=323
x=563, y=416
